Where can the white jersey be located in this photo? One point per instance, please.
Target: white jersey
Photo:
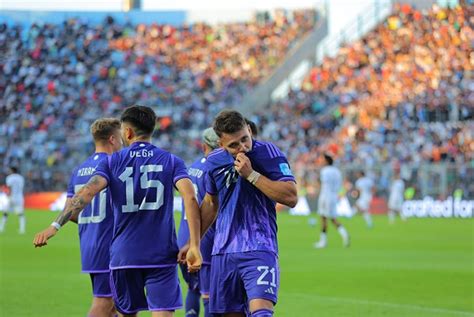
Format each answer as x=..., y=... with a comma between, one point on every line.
x=365, y=185
x=15, y=182
x=331, y=181
x=395, y=199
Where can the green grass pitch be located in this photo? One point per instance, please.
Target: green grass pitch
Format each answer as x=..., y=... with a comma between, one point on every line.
x=424, y=267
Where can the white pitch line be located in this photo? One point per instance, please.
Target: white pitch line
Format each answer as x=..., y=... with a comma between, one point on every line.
x=385, y=304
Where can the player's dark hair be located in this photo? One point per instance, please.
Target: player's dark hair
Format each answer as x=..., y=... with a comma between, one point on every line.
x=253, y=127
x=141, y=118
x=103, y=128
x=328, y=159
x=229, y=122
x=14, y=169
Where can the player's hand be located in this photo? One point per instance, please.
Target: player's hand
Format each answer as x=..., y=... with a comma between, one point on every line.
x=182, y=253
x=193, y=259
x=242, y=165
x=42, y=237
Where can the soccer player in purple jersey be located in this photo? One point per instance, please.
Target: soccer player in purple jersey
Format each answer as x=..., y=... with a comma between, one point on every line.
x=95, y=222
x=141, y=179
x=199, y=283
x=244, y=180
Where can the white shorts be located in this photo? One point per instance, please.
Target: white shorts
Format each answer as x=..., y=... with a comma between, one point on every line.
x=327, y=206
x=363, y=203
x=17, y=205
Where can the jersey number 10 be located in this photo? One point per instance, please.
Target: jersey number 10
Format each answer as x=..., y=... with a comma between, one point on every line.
x=145, y=184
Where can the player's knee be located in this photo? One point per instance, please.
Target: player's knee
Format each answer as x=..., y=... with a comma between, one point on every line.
x=262, y=313
x=102, y=306
x=258, y=304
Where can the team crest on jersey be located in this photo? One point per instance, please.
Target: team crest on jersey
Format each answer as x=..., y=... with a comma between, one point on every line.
x=285, y=169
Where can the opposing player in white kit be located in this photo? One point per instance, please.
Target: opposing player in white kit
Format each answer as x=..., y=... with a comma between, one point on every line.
x=15, y=183
x=365, y=186
x=395, y=199
x=331, y=183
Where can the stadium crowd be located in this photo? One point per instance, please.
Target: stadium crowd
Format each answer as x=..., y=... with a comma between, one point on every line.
x=56, y=79
x=385, y=98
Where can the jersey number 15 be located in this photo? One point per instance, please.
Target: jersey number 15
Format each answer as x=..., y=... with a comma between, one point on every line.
x=145, y=184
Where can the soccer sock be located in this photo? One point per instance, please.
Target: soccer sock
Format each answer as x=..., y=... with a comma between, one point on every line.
x=391, y=216
x=193, y=303
x=22, y=223
x=322, y=237
x=262, y=313
x=343, y=232
x=368, y=219
x=205, y=302
x=3, y=221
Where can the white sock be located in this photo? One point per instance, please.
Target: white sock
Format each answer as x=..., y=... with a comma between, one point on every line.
x=343, y=232
x=22, y=223
x=3, y=221
x=323, y=237
x=391, y=216
x=368, y=219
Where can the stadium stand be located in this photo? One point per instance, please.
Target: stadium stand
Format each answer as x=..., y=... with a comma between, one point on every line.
x=57, y=79
x=403, y=94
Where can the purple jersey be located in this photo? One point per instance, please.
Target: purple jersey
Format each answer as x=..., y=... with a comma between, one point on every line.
x=141, y=180
x=246, y=219
x=95, y=222
x=197, y=172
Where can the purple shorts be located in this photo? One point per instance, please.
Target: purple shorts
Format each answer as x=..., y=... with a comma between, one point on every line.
x=101, y=284
x=192, y=279
x=205, y=279
x=238, y=278
x=161, y=284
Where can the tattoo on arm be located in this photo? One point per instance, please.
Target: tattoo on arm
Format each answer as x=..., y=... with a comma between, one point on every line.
x=81, y=199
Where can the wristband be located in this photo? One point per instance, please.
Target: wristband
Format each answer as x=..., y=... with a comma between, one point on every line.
x=56, y=225
x=253, y=177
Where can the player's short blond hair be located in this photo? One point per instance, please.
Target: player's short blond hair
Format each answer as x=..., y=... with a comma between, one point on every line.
x=102, y=129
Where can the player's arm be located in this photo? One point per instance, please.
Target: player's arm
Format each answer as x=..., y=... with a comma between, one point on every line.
x=283, y=192
x=209, y=207
x=68, y=205
x=191, y=208
x=81, y=199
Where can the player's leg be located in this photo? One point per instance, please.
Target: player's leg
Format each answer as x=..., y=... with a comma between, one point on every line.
x=3, y=221
x=102, y=307
x=322, y=243
x=163, y=293
x=261, y=277
x=391, y=215
x=20, y=211
x=127, y=287
x=261, y=308
x=363, y=207
x=400, y=212
x=102, y=302
x=204, y=287
x=368, y=218
x=342, y=232
x=193, y=297
x=22, y=221
x=227, y=295
x=162, y=314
